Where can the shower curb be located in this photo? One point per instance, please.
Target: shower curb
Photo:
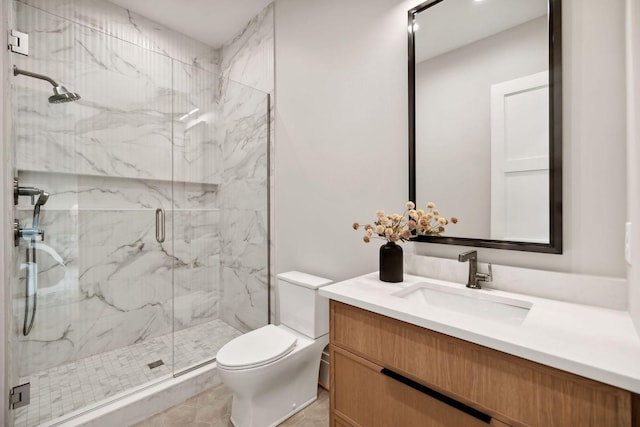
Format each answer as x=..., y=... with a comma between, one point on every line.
x=136, y=406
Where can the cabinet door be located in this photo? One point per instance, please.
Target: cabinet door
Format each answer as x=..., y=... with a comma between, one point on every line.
x=337, y=422
x=365, y=396
x=518, y=390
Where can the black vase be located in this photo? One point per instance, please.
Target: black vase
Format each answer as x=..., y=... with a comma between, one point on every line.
x=391, y=263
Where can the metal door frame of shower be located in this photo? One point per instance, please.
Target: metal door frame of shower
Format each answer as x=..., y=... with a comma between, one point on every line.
x=6, y=172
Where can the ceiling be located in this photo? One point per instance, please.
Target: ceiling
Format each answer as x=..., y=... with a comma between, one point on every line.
x=213, y=22
x=455, y=23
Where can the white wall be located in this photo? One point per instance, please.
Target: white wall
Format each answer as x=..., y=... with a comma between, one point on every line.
x=341, y=135
x=341, y=129
x=633, y=158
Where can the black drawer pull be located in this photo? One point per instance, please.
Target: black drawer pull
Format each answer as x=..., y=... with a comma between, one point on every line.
x=438, y=396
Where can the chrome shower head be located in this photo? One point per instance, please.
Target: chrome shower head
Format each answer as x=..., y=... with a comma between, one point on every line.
x=60, y=93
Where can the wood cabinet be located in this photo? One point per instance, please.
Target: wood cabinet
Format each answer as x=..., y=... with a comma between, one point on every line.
x=385, y=372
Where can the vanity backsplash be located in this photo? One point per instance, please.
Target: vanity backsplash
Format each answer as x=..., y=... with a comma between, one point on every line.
x=607, y=292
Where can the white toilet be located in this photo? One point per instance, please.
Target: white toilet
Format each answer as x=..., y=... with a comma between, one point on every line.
x=273, y=371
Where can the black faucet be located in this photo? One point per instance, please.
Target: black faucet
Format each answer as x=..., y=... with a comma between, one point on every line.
x=474, y=276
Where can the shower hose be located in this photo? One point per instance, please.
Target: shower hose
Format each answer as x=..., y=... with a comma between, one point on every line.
x=30, y=258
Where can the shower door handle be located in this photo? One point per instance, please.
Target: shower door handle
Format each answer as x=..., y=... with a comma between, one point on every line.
x=160, y=225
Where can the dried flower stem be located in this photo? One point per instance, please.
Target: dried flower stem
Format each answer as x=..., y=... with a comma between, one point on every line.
x=396, y=227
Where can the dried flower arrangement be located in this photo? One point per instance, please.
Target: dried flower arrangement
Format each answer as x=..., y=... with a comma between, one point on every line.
x=396, y=227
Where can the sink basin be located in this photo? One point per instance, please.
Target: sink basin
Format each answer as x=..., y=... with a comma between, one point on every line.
x=471, y=302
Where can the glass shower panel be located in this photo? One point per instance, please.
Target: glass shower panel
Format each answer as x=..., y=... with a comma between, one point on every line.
x=220, y=212
x=244, y=200
x=101, y=286
x=196, y=214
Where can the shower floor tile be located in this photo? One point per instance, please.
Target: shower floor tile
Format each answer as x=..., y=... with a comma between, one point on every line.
x=69, y=387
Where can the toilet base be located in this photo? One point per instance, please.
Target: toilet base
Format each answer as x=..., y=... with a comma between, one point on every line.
x=281, y=420
x=267, y=395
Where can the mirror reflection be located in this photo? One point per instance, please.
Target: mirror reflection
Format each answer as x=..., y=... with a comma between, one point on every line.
x=482, y=116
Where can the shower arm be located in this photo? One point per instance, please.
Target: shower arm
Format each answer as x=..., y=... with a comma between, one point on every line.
x=60, y=93
x=18, y=71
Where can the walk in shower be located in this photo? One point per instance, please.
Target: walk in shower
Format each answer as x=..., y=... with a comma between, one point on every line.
x=151, y=247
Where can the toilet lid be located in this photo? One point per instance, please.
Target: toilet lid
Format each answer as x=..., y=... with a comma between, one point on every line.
x=256, y=348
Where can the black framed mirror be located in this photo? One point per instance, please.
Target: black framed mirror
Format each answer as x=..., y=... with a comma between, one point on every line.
x=485, y=120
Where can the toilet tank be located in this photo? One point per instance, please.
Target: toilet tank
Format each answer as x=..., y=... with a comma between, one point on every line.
x=301, y=308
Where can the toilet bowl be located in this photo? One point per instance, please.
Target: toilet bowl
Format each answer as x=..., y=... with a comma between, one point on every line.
x=273, y=371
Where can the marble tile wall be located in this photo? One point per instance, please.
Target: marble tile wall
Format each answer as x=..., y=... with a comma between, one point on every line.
x=197, y=153
x=246, y=62
x=108, y=18
x=248, y=57
x=104, y=281
x=107, y=162
x=122, y=126
x=243, y=200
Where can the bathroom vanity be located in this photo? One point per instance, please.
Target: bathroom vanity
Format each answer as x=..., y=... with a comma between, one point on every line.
x=396, y=361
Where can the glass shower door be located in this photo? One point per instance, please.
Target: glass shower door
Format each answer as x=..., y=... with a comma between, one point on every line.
x=100, y=289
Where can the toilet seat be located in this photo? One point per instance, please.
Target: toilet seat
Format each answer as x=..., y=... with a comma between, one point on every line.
x=256, y=348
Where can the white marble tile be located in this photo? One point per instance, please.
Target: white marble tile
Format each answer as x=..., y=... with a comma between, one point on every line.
x=243, y=193
x=197, y=155
x=248, y=58
x=244, y=269
x=245, y=298
x=122, y=126
x=116, y=287
x=123, y=24
x=79, y=192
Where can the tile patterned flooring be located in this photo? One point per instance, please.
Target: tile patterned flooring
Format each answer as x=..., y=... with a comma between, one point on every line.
x=70, y=387
x=213, y=407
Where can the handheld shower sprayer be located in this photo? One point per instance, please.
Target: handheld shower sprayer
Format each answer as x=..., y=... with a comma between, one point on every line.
x=39, y=198
x=60, y=93
x=31, y=279
x=42, y=199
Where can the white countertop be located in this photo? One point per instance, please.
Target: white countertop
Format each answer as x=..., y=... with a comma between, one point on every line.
x=594, y=342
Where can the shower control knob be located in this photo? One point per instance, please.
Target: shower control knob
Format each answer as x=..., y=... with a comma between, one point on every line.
x=31, y=234
x=16, y=232
x=16, y=190
x=25, y=191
